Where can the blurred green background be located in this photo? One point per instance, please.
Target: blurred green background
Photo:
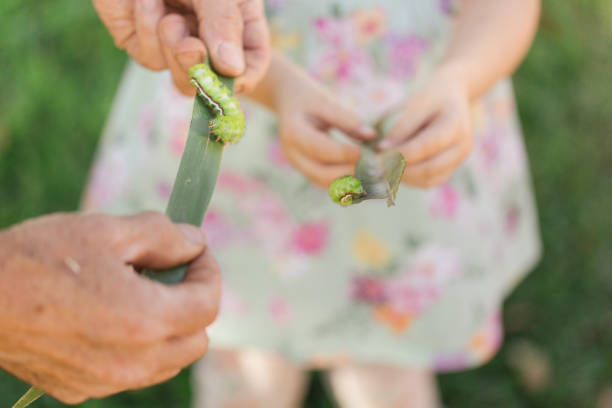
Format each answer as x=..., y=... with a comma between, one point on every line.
x=58, y=74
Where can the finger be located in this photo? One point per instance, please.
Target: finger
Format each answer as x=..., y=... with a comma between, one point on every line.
x=320, y=147
x=419, y=110
x=256, y=44
x=334, y=114
x=188, y=52
x=436, y=137
x=144, y=368
x=151, y=240
x=175, y=354
x=436, y=170
x=320, y=174
x=148, y=14
x=193, y=304
x=221, y=28
x=47, y=380
x=173, y=30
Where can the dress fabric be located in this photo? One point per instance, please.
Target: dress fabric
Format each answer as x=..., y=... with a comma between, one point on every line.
x=419, y=284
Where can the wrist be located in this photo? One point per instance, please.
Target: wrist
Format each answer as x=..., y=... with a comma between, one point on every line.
x=460, y=73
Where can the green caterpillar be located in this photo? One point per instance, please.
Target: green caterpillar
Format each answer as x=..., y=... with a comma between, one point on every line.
x=345, y=189
x=228, y=123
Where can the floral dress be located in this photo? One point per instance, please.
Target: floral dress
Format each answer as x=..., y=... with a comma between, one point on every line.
x=418, y=284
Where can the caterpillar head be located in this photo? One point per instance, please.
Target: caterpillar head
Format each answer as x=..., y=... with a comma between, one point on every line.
x=345, y=189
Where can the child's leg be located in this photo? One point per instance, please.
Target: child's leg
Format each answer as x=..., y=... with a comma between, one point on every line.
x=373, y=386
x=247, y=379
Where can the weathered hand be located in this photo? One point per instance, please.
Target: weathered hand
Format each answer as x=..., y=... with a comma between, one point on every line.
x=434, y=132
x=78, y=322
x=307, y=111
x=177, y=34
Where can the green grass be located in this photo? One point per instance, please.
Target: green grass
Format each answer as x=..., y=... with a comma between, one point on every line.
x=59, y=72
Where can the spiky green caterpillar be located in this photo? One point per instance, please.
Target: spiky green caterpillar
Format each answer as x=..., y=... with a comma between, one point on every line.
x=345, y=189
x=228, y=124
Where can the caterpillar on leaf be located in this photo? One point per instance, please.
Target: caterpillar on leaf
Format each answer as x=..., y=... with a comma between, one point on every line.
x=378, y=174
x=228, y=123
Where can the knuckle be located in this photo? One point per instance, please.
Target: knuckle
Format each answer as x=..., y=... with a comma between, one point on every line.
x=69, y=398
x=155, y=217
x=141, y=330
x=168, y=25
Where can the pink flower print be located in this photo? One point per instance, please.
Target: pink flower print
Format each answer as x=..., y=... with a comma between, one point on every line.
x=276, y=155
x=340, y=64
x=237, y=183
x=501, y=157
x=451, y=362
x=444, y=203
x=372, y=96
x=341, y=58
x=311, y=238
x=485, y=343
x=369, y=24
x=513, y=216
x=407, y=295
x=275, y=5
x=334, y=31
x=447, y=6
x=490, y=148
x=164, y=189
x=368, y=289
x=219, y=231
x=404, y=52
x=279, y=311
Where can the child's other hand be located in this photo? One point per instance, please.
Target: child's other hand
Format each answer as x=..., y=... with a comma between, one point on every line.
x=307, y=111
x=434, y=132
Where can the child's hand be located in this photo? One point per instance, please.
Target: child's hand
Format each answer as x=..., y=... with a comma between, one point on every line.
x=307, y=111
x=434, y=132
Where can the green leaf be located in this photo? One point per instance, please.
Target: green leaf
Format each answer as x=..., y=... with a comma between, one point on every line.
x=380, y=174
x=29, y=397
x=196, y=178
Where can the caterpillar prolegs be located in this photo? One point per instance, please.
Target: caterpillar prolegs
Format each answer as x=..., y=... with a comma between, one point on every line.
x=228, y=125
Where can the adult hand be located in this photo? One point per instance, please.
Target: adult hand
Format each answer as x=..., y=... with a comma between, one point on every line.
x=78, y=322
x=176, y=34
x=434, y=132
x=307, y=111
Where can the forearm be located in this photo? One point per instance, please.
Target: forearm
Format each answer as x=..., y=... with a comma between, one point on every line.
x=490, y=39
x=267, y=91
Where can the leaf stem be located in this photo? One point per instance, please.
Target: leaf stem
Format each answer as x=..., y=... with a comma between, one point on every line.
x=29, y=397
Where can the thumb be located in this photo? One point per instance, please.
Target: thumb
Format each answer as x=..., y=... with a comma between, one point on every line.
x=220, y=26
x=151, y=240
x=346, y=120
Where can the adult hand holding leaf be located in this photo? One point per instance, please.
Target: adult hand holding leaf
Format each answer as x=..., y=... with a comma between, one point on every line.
x=78, y=322
x=176, y=34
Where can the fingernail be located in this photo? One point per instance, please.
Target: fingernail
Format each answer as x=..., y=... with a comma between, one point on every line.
x=231, y=56
x=193, y=234
x=367, y=131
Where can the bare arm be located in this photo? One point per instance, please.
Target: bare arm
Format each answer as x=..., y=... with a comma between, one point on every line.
x=281, y=69
x=490, y=39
